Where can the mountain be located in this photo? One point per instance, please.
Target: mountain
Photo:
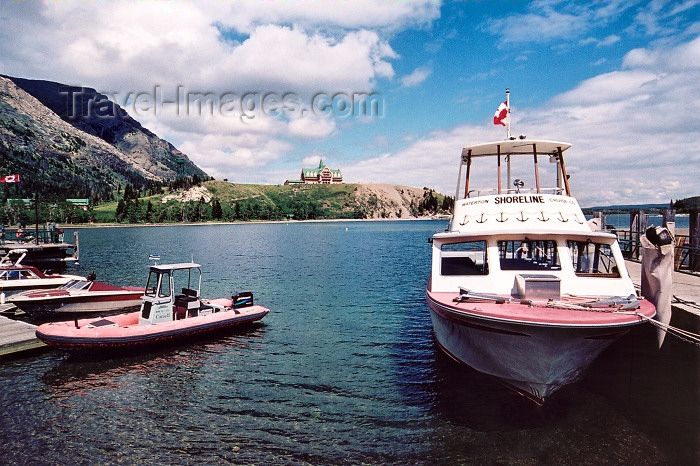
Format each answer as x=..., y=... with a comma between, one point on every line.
x=68, y=141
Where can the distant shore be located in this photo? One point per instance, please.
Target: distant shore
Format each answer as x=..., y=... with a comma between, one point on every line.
x=249, y=222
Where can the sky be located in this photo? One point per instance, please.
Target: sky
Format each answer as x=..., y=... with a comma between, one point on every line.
x=388, y=91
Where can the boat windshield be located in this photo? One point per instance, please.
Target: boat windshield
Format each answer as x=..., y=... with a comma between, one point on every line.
x=75, y=285
x=593, y=259
x=526, y=254
x=158, y=283
x=466, y=258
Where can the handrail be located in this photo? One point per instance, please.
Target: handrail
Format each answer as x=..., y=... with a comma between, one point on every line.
x=488, y=192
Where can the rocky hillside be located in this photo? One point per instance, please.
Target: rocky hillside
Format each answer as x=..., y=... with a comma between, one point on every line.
x=63, y=150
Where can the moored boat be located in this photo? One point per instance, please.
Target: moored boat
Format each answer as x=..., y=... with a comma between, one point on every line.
x=16, y=276
x=78, y=297
x=164, y=316
x=521, y=287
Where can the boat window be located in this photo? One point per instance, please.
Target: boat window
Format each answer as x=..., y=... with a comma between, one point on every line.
x=467, y=258
x=593, y=259
x=164, y=289
x=526, y=254
x=151, y=284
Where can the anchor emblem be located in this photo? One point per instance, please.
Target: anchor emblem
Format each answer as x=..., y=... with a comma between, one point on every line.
x=501, y=220
x=483, y=220
x=542, y=218
x=561, y=218
x=522, y=217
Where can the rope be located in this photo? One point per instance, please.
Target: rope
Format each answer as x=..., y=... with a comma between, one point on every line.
x=688, y=337
x=687, y=303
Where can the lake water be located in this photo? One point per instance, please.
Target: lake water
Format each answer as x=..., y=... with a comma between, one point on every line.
x=344, y=370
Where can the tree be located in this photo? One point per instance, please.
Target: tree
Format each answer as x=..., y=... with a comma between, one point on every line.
x=216, y=211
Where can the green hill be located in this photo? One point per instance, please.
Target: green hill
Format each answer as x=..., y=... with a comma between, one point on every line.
x=219, y=200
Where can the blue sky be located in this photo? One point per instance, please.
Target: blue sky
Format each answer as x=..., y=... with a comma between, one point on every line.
x=617, y=79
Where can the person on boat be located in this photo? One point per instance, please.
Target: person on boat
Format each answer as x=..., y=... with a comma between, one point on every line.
x=523, y=249
x=20, y=233
x=92, y=276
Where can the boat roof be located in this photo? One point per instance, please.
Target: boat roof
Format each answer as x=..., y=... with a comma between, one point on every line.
x=171, y=267
x=515, y=147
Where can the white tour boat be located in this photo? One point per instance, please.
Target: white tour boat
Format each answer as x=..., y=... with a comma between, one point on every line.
x=521, y=287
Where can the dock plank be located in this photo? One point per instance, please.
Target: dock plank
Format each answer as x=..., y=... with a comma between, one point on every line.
x=17, y=336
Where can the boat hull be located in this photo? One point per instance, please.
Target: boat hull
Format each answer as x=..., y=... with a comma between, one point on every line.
x=535, y=358
x=125, y=333
x=79, y=304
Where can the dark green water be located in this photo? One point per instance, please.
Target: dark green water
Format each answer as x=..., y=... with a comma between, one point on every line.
x=344, y=370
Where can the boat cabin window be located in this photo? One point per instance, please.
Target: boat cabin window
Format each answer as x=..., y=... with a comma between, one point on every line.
x=593, y=259
x=468, y=258
x=158, y=284
x=526, y=254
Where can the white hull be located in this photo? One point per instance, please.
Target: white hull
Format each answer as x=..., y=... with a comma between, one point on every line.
x=12, y=286
x=87, y=303
x=536, y=360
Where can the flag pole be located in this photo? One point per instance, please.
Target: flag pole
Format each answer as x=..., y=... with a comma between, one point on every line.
x=508, y=138
x=508, y=110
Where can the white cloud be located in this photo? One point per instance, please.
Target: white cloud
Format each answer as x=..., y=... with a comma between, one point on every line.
x=609, y=40
x=541, y=24
x=417, y=77
x=213, y=49
x=633, y=131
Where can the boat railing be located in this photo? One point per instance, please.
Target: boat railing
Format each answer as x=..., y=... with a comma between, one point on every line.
x=491, y=192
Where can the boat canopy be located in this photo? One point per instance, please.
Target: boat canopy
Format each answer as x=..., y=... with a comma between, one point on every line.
x=515, y=147
x=170, y=267
x=506, y=150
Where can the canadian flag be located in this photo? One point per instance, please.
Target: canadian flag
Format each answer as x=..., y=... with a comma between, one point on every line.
x=501, y=115
x=9, y=179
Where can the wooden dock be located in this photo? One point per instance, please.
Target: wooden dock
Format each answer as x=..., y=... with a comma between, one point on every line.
x=686, y=288
x=16, y=336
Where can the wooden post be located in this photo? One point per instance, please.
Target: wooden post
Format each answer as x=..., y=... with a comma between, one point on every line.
x=694, y=241
x=469, y=166
x=537, y=170
x=563, y=172
x=638, y=225
x=669, y=220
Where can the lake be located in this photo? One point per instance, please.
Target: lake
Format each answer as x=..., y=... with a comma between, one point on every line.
x=344, y=370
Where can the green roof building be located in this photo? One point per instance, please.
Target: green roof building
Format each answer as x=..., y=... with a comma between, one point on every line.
x=320, y=175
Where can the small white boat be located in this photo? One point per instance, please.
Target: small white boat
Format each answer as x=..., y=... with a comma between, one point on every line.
x=15, y=276
x=164, y=317
x=77, y=297
x=521, y=287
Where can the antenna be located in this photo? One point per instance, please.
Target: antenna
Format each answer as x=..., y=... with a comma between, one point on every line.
x=154, y=257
